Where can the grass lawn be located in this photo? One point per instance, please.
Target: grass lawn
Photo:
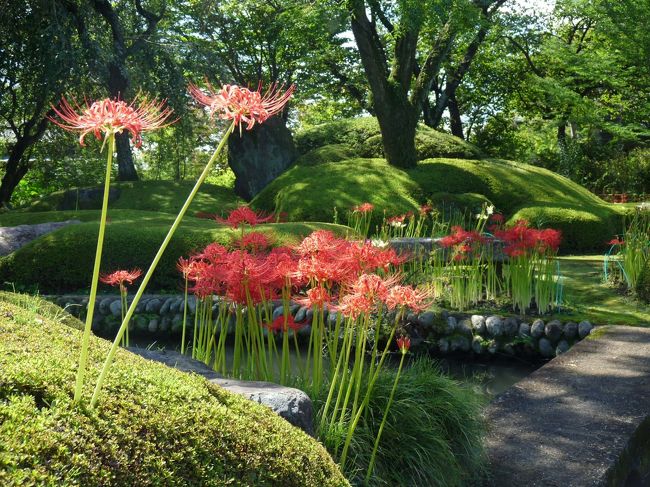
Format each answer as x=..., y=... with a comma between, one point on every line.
x=590, y=298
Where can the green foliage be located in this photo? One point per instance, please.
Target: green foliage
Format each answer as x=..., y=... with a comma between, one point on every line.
x=583, y=228
x=160, y=196
x=517, y=190
x=63, y=260
x=154, y=425
x=362, y=137
x=643, y=283
x=326, y=153
x=434, y=433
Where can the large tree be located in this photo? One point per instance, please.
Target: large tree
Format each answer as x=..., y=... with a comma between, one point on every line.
x=36, y=60
x=403, y=47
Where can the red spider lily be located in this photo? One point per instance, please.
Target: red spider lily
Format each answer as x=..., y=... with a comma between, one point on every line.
x=316, y=297
x=616, y=241
x=184, y=266
x=366, y=257
x=242, y=215
x=321, y=241
x=364, y=208
x=255, y=242
x=278, y=324
x=118, y=278
x=425, y=209
x=404, y=343
x=357, y=304
x=110, y=116
x=460, y=237
x=396, y=221
x=520, y=240
x=373, y=286
x=497, y=218
x=407, y=297
x=241, y=104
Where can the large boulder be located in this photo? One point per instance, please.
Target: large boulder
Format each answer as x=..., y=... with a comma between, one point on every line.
x=260, y=155
x=289, y=403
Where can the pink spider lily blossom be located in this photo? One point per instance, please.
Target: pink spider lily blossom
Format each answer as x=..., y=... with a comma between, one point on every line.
x=363, y=208
x=407, y=297
x=118, y=278
x=244, y=214
x=112, y=116
x=242, y=105
x=404, y=343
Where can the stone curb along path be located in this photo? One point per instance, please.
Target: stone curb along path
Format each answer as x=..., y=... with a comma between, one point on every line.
x=289, y=403
x=581, y=420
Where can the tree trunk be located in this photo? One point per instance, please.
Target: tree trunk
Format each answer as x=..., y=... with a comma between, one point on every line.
x=455, y=120
x=15, y=170
x=125, y=167
x=561, y=133
x=397, y=122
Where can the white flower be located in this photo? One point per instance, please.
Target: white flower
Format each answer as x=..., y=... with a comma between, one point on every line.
x=397, y=224
x=379, y=243
x=490, y=209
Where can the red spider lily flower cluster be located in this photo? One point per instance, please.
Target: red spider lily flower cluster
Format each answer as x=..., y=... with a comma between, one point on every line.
x=425, y=209
x=278, y=324
x=363, y=208
x=521, y=240
x=119, y=278
x=616, y=241
x=463, y=242
x=242, y=105
x=112, y=116
x=244, y=215
x=254, y=242
x=330, y=271
x=404, y=343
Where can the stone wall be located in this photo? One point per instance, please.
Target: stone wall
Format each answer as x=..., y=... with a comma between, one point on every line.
x=161, y=316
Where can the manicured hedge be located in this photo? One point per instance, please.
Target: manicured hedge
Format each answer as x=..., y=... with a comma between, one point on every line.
x=160, y=196
x=63, y=260
x=517, y=190
x=154, y=426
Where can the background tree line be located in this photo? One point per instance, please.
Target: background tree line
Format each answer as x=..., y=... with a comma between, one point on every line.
x=567, y=89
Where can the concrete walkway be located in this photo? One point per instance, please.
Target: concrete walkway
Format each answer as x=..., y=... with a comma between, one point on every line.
x=581, y=420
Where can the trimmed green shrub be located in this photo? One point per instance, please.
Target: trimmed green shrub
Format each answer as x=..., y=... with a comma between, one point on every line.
x=161, y=196
x=326, y=153
x=363, y=138
x=582, y=230
x=63, y=260
x=153, y=426
x=517, y=190
x=434, y=433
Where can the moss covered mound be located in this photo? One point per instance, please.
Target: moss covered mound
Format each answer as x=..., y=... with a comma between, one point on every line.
x=154, y=425
x=518, y=190
x=360, y=137
x=162, y=196
x=63, y=260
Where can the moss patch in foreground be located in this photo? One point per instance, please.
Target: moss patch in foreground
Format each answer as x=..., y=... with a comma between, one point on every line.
x=154, y=425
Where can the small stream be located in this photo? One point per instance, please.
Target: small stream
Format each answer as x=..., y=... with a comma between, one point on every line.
x=491, y=377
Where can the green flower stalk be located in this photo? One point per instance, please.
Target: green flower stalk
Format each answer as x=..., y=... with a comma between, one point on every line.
x=403, y=343
x=106, y=118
